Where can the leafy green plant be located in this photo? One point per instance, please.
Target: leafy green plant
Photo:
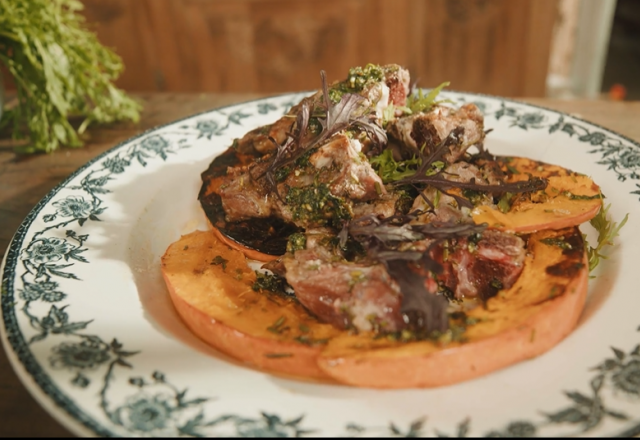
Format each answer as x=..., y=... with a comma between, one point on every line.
x=60, y=70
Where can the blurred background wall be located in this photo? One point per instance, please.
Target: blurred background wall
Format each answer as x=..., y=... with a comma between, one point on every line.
x=504, y=47
x=493, y=46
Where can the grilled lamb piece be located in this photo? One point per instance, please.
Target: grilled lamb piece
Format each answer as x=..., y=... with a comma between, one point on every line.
x=391, y=89
x=244, y=197
x=478, y=268
x=346, y=172
x=366, y=296
x=429, y=129
x=347, y=295
x=383, y=207
x=337, y=165
x=257, y=141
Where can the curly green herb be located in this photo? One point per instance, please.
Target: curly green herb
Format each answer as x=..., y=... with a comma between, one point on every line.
x=420, y=103
x=391, y=170
x=607, y=231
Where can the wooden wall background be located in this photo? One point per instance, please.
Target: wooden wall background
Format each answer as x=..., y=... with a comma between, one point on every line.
x=499, y=47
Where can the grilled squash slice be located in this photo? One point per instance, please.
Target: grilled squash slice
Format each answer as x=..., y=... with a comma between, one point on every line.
x=211, y=287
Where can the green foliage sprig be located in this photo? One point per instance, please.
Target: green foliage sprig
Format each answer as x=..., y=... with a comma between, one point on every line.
x=60, y=70
x=607, y=231
x=418, y=102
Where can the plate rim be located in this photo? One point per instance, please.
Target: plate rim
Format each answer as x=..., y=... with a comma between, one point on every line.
x=33, y=375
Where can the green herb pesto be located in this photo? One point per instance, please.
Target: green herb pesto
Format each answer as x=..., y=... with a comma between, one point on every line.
x=475, y=238
x=359, y=78
x=282, y=173
x=297, y=241
x=271, y=283
x=315, y=204
x=299, y=166
x=557, y=241
x=303, y=161
x=314, y=126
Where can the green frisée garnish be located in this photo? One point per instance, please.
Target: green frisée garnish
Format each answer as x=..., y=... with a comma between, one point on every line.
x=607, y=231
x=391, y=170
x=418, y=102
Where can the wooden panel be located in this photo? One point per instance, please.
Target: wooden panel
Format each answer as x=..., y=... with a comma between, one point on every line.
x=492, y=46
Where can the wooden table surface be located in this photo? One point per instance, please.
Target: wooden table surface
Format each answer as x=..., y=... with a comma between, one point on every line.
x=24, y=180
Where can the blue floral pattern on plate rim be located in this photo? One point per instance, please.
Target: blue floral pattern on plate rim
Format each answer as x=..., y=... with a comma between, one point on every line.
x=36, y=274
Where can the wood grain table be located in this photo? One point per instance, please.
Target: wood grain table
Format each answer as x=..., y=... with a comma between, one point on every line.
x=24, y=180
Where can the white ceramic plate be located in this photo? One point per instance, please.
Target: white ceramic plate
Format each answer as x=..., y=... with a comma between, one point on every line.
x=90, y=329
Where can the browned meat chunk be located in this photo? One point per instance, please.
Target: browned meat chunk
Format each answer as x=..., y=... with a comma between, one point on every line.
x=347, y=173
x=429, y=129
x=376, y=296
x=478, y=269
x=345, y=294
x=384, y=206
x=243, y=196
x=393, y=88
x=337, y=164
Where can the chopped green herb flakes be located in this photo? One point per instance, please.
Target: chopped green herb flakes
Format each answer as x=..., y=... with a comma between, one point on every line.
x=218, y=260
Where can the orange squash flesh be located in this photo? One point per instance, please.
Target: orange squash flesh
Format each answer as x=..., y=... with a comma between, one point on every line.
x=219, y=306
x=570, y=199
x=210, y=285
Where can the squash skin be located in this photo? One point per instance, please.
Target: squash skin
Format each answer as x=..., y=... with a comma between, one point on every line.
x=522, y=322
